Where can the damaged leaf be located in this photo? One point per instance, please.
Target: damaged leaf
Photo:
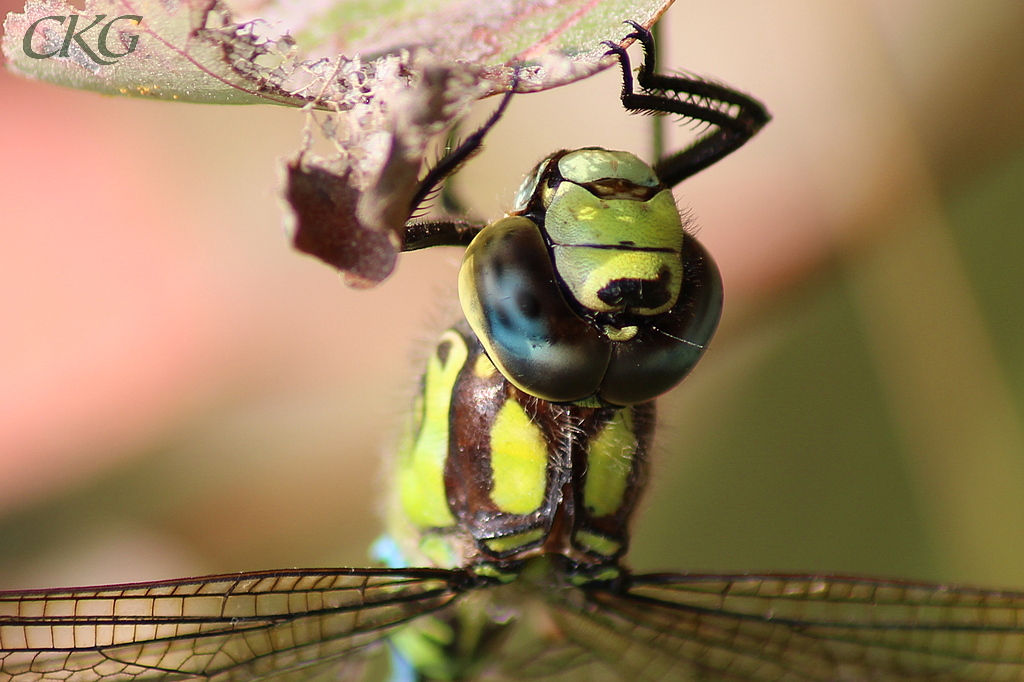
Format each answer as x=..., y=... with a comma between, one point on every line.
x=562, y=37
x=202, y=51
x=324, y=205
x=380, y=81
x=188, y=51
x=350, y=207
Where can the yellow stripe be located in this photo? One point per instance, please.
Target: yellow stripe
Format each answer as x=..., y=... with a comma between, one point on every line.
x=519, y=458
x=484, y=368
x=421, y=467
x=516, y=540
x=609, y=463
x=597, y=543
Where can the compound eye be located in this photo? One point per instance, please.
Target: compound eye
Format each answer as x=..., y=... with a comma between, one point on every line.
x=514, y=304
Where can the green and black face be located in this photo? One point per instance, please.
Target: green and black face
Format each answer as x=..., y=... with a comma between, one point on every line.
x=613, y=229
x=591, y=290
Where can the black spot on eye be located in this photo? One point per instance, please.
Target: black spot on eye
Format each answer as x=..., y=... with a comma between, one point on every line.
x=501, y=319
x=498, y=268
x=529, y=305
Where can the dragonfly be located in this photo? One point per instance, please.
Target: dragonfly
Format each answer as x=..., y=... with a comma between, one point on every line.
x=519, y=469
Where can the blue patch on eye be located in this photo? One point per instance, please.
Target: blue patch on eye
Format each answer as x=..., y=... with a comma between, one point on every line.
x=515, y=316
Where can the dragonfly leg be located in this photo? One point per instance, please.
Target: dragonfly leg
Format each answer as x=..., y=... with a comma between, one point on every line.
x=451, y=200
x=450, y=232
x=733, y=117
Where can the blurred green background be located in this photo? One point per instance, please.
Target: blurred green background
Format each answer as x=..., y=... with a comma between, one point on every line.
x=180, y=393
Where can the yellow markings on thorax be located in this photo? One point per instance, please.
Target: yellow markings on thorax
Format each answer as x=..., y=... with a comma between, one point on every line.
x=483, y=367
x=597, y=543
x=519, y=459
x=516, y=540
x=421, y=469
x=609, y=464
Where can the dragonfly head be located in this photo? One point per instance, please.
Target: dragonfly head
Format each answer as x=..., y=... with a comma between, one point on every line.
x=591, y=289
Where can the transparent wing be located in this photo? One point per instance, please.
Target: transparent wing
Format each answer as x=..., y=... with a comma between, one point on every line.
x=279, y=626
x=797, y=628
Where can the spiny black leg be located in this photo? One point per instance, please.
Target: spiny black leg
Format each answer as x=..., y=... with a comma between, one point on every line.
x=423, y=235
x=420, y=235
x=657, y=122
x=451, y=202
x=660, y=83
x=734, y=117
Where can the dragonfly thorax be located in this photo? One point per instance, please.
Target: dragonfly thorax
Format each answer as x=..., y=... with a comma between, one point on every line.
x=489, y=475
